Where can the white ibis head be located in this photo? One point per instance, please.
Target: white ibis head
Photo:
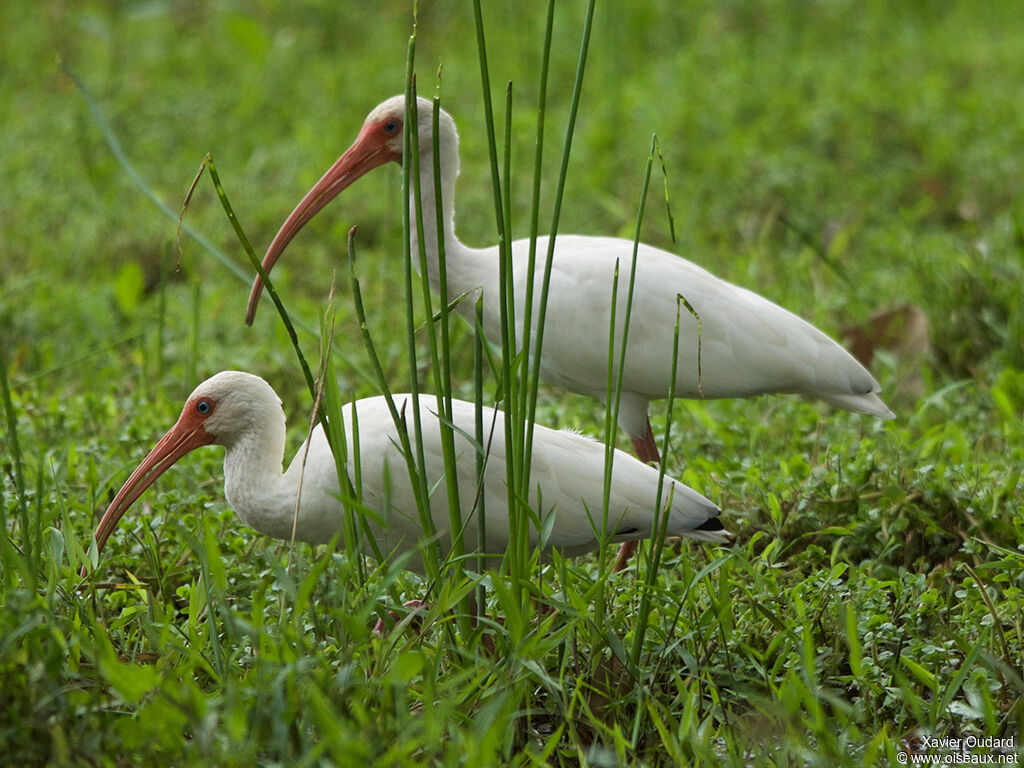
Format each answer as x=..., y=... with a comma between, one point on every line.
x=220, y=410
x=379, y=141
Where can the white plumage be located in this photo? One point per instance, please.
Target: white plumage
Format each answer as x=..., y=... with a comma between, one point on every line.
x=749, y=345
x=241, y=412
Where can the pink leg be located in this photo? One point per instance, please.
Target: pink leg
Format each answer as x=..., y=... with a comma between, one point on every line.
x=378, y=628
x=647, y=451
x=626, y=551
x=645, y=448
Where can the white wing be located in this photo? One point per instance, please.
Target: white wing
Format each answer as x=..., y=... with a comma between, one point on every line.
x=566, y=481
x=748, y=344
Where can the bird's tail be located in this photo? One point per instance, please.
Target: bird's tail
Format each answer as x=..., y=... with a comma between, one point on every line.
x=870, y=404
x=691, y=514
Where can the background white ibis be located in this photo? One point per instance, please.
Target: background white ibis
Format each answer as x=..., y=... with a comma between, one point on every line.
x=748, y=345
x=241, y=412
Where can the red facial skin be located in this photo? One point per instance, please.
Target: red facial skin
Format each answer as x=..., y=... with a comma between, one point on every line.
x=187, y=434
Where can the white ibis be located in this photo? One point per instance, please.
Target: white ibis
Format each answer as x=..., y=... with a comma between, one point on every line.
x=241, y=412
x=746, y=345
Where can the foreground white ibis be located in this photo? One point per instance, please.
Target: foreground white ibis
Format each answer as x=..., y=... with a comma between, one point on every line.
x=746, y=345
x=241, y=412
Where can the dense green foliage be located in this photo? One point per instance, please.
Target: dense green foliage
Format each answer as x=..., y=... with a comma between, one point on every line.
x=841, y=158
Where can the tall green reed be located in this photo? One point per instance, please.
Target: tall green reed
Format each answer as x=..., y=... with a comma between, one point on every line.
x=13, y=558
x=520, y=369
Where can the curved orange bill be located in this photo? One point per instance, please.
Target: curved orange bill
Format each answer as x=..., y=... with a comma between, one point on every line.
x=186, y=435
x=363, y=156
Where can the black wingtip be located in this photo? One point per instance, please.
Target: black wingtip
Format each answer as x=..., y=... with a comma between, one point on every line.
x=711, y=524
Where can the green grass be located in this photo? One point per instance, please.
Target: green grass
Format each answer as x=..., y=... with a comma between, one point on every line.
x=839, y=158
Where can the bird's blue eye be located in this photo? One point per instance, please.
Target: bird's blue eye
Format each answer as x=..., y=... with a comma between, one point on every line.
x=391, y=126
x=203, y=407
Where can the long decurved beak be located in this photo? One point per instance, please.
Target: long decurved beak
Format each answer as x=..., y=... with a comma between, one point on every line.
x=363, y=156
x=184, y=436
